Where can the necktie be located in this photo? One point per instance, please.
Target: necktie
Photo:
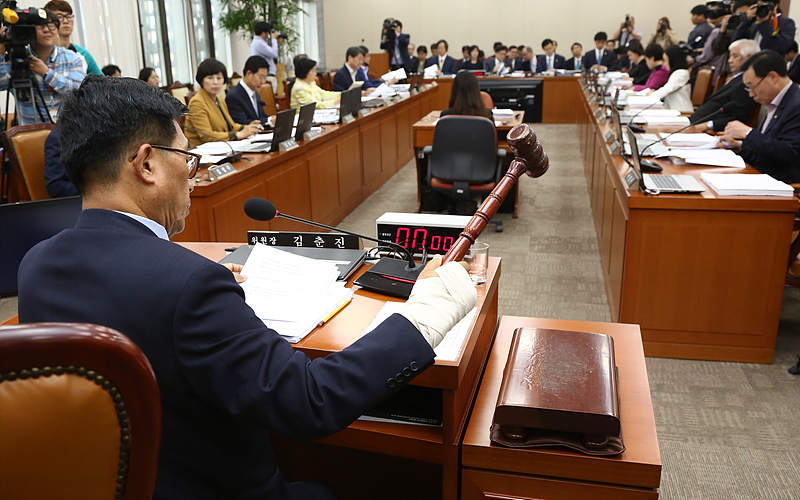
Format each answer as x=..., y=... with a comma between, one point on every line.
x=599, y=56
x=550, y=62
x=577, y=63
x=441, y=62
x=255, y=102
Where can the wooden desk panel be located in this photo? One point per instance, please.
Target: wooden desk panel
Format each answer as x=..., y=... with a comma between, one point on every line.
x=702, y=274
x=556, y=475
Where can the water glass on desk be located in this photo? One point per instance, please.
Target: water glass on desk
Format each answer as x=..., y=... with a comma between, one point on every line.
x=478, y=259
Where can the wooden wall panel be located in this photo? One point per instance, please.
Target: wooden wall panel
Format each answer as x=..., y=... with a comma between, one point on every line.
x=607, y=207
x=404, y=147
x=348, y=152
x=323, y=174
x=371, y=156
x=389, y=145
x=619, y=227
x=291, y=194
x=230, y=223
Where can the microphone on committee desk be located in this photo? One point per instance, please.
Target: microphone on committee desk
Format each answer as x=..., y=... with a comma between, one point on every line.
x=264, y=210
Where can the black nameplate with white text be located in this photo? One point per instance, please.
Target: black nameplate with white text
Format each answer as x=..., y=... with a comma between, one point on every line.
x=301, y=239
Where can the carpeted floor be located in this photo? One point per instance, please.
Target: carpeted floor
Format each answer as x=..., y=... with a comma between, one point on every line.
x=727, y=431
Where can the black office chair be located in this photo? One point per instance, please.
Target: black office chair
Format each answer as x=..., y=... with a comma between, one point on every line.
x=464, y=162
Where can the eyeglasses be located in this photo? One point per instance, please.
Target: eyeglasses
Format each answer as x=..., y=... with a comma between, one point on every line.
x=192, y=162
x=49, y=26
x=754, y=88
x=65, y=17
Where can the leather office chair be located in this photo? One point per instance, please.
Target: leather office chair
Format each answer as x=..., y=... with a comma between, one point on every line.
x=464, y=161
x=24, y=146
x=179, y=90
x=188, y=97
x=268, y=96
x=81, y=415
x=702, y=86
x=720, y=81
x=234, y=80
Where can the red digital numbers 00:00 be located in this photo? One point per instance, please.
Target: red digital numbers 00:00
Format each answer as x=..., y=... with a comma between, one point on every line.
x=419, y=239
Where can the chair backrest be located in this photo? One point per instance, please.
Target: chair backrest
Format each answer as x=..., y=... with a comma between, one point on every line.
x=464, y=149
x=280, y=75
x=180, y=92
x=234, y=80
x=81, y=415
x=487, y=99
x=268, y=96
x=720, y=81
x=188, y=97
x=702, y=85
x=25, y=148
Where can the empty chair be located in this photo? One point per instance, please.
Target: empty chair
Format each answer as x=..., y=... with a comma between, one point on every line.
x=24, y=145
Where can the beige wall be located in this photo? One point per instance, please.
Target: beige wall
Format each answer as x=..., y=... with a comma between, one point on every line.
x=483, y=22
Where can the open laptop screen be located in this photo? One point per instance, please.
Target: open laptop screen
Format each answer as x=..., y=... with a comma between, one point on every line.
x=284, y=122
x=304, y=120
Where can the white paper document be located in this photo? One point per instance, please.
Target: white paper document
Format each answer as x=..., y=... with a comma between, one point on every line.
x=383, y=90
x=431, y=71
x=667, y=120
x=746, y=185
x=691, y=140
x=714, y=157
x=643, y=101
x=398, y=74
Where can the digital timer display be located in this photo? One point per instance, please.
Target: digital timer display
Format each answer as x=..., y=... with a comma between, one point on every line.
x=436, y=240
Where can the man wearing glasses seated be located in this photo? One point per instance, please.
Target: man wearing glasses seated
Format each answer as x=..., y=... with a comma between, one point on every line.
x=224, y=378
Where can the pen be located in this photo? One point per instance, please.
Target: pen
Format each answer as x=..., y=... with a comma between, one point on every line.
x=725, y=143
x=322, y=323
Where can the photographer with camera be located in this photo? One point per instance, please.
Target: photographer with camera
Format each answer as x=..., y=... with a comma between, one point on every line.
x=767, y=27
x=664, y=36
x=716, y=12
x=395, y=42
x=720, y=38
x=265, y=44
x=627, y=31
x=702, y=28
x=52, y=70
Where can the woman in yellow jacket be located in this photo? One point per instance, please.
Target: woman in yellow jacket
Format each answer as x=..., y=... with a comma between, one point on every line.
x=305, y=89
x=208, y=112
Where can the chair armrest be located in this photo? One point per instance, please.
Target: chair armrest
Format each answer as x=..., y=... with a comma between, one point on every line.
x=501, y=153
x=427, y=150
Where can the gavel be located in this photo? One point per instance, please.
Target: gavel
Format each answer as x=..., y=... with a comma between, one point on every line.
x=529, y=158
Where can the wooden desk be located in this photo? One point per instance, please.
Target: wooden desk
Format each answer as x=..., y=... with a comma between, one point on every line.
x=491, y=471
x=322, y=180
x=702, y=274
x=423, y=136
x=433, y=451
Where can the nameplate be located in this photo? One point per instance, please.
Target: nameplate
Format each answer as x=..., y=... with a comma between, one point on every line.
x=363, y=112
x=434, y=84
x=414, y=91
x=300, y=239
x=592, y=98
x=598, y=112
x=310, y=135
x=614, y=147
x=630, y=178
x=389, y=101
x=220, y=171
x=288, y=145
x=609, y=137
x=348, y=118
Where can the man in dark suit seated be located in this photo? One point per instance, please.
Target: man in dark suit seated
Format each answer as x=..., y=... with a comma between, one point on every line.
x=774, y=146
x=56, y=181
x=498, y=64
x=225, y=379
x=549, y=60
x=348, y=73
x=417, y=63
x=791, y=58
x=575, y=62
x=600, y=58
x=243, y=101
x=759, y=25
x=445, y=63
x=524, y=61
x=732, y=95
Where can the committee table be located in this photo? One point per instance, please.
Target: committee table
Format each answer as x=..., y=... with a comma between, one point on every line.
x=380, y=448
x=492, y=471
x=702, y=274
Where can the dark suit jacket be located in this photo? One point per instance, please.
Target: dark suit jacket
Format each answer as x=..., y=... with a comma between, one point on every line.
x=640, y=72
x=520, y=65
x=607, y=58
x=777, y=151
x=413, y=65
x=489, y=64
x=794, y=71
x=779, y=43
x=558, y=62
x=732, y=92
x=570, y=63
x=240, y=106
x=449, y=66
x=342, y=79
x=388, y=46
x=56, y=181
x=225, y=378
x=363, y=76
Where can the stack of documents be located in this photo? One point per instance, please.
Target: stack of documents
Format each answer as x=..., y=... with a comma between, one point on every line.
x=714, y=157
x=699, y=141
x=667, y=120
x=326, y=115
x=503, y=114
x=746, y=185
x=292, y=294
x=649, y=112
x=643, y=101
x=383, y=90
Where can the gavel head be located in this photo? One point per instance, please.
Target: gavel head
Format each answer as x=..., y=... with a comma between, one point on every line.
x=528, y=150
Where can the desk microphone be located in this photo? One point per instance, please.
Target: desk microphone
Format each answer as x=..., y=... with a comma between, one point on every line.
x=233, y=157
x=639, y=128
x=263, y=210
x=727, y=107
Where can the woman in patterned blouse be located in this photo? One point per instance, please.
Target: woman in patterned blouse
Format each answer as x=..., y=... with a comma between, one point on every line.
x=305, y=89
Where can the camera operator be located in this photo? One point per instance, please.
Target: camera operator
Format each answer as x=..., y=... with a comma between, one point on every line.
x=702, y=28
x=664, y=36
x=627, y=31
x=53, y=69
x=767, y=27
x=265, y=44
x=395, y=42
x=714, y=15
x=720, y=43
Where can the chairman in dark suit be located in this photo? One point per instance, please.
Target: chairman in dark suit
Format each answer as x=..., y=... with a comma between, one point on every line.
x=773, y=147
x=549, y=60
x=244, y=103
x=225, y=379
x=753, y=27
x=445, y=63
x=732, y=96
x=600, y=56
x=395, y=42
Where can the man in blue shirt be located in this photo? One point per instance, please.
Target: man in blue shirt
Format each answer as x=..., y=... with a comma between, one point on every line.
x=265, y=44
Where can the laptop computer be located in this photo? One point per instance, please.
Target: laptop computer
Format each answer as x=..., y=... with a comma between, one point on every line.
x=304, y=120
x=659, y=183
x=284, y=123
x=648, y=141
x=355, y=102
x=27, y=223
x=346, y=103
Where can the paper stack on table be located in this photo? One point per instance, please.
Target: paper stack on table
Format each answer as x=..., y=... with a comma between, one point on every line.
x=650, y=112
x=698, y=141
x=431, y=71
x=503, y=114
x=643, y=101
x=398, y=74
x=383, y=90
x=713, y=157
x=292, y=294
x=667, y=120
x=326, y=115
x=746, y=185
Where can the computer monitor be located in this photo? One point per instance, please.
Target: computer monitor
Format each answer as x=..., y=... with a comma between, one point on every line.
x=26, y=224
x=355, y=102
x=284, y=122
x=345, y=104
x=304, y=120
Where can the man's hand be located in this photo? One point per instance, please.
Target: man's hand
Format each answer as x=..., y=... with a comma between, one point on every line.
x=392, y=81
x=38, y=66
x=751, y=12
x=729, y=142
x=274, y=34
x=236, y=269
x=433, y=265
x=724, y=25
x=699, y=127
x=737, y=130
x=370, y=90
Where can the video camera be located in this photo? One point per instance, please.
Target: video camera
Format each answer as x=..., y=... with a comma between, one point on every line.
x=764, y=10
x=20, y=32
x=388, y=27
x=718, y=9
x=627, y=21
x=273, y=30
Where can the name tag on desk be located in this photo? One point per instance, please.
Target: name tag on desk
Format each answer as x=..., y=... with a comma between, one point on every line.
x=614, y=147
x=348, y=119
x=414, y=92
x=310, y=135
x=288, y=145
x=220, y=171
x=363, y=112
x=609, y=136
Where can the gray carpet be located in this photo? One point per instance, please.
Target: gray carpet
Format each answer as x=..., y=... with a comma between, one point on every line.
x=727, y=431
